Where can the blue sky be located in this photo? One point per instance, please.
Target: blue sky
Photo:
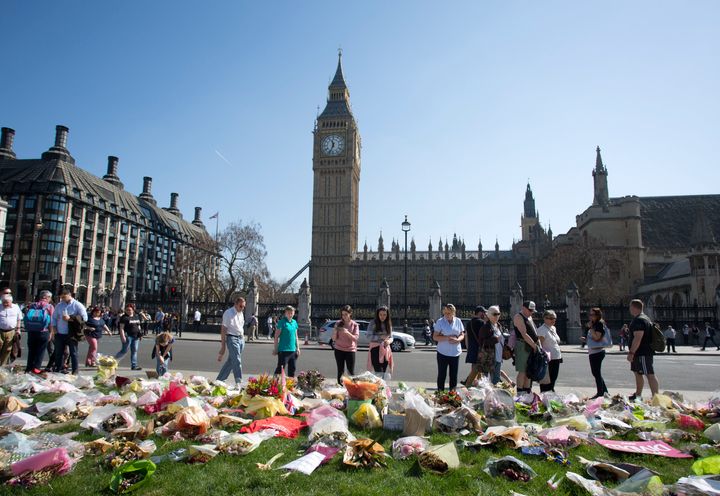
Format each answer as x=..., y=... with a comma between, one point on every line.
x=458, y=103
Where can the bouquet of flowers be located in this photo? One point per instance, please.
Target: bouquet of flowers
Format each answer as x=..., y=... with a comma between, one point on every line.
x=310, y=380
x=264, y=385
x=450, y=398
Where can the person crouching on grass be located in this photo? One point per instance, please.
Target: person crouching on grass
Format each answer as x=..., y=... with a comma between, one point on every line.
x=162, y=353
x=287, y=343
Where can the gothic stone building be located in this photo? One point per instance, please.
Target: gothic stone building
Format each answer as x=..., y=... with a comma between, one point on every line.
x=663, y=249
x=340, y=273
x=67, y=226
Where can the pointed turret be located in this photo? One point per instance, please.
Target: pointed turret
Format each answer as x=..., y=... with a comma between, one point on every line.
x=529, y=203
x=702, y=233
x=338, y=102
x=381, y=243
x=480, y=245
x=600, y=184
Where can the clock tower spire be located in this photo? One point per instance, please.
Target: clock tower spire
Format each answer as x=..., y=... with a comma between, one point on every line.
x=336, y=186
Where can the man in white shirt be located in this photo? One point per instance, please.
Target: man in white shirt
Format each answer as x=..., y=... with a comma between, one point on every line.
x=10, y=317
x=196, y=320
x=270, y=327
x=232, y=338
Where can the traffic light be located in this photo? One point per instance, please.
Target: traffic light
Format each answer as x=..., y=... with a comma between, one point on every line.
x=173, y=291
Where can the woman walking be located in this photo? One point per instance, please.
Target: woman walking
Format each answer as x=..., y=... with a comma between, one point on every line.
x=287, y=343
x=487, y=341
x=526, y=341
x=345, y=337
x=449, y=333
x=597, y=340
x=550, y=342
x=96, y=327
x=379, y=333
x=130, y=335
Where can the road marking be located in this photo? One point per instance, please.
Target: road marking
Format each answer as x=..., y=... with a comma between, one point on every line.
x=708, y=364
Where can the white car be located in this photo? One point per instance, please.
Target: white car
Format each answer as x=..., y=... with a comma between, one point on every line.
x=401, y=341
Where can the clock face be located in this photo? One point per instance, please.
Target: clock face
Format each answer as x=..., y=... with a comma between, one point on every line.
x=333, y=144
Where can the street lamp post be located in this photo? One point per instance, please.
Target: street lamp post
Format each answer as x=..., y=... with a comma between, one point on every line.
x=406, y=229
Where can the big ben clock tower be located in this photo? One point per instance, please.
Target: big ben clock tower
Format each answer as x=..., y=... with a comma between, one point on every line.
x=336, y=170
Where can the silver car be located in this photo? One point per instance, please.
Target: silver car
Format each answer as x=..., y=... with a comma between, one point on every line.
x=401, y=341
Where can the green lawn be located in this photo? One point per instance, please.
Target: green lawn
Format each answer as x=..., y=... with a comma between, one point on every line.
x=226, y=475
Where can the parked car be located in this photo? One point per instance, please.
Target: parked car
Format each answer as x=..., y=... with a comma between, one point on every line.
x=401, y=340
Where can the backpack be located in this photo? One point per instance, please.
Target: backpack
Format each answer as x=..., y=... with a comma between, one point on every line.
x=658, y=339
x=37, y=318
x=537, y=364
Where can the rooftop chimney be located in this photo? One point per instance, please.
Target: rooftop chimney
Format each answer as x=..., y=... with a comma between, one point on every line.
x=173, y=208
x=6, y=144
x=112, y=172
x=59, y=151
x=146, y=194
x=198, y=221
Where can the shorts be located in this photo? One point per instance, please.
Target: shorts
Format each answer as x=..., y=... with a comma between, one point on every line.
x=522, y=352
x=642, y=364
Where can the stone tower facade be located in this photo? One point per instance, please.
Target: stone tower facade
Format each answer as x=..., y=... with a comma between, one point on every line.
x=336, y=185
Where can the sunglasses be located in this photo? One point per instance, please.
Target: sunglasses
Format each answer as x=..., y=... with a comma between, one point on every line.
x=550, y=318
x=494, y=314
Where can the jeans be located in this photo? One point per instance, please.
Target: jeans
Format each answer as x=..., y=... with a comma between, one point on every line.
x=62, y=340
x=443, y=362
x=596, y=360
x=553, y=371
x=161, y=368
x=235, y=345
x=133, y=343
x=286, y=360
x=37, y=343
x=496, y=372
x=341, y=359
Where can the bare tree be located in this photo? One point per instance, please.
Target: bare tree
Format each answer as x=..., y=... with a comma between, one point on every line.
x=242, y=257
x=592, y=265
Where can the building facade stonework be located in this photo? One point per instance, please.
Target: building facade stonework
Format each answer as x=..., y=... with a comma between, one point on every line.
x=68, y=227
x=663, y=249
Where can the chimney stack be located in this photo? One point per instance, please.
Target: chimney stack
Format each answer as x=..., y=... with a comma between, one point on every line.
x=146, y=194
x=61, y=136
x=173, y=208
x=59, y=151
x=6, y=144
x=198, y=221
x=112, y=172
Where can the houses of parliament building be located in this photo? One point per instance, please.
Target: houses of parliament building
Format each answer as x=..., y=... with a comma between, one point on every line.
x=662, y=249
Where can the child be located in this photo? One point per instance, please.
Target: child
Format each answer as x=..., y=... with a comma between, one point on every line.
x=162, y=352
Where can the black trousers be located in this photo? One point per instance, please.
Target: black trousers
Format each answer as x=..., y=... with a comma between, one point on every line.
x=553, y=370
x=37, y=342
x=709, y=338
x=375, y=359
x=61, y=341
x=286, y=359
x=596, y=360
x=343, y=359
x=443, y=362
x=671, y=343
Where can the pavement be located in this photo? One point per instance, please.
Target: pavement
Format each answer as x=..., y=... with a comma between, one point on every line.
x=682, y=350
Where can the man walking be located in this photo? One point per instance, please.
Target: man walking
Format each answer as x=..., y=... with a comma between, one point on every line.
x=270, y=327
x=252, y=328
x=686, y=334
x=670, y=338
x=159, y=319
x=709, y=336
x=427, y=333
x=10, y=316
x=196, y=320
x=68, y=308
x=232, y=338
x=37, y=329
x=641, y=354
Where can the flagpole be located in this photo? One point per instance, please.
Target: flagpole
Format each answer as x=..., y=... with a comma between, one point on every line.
x=217, y=223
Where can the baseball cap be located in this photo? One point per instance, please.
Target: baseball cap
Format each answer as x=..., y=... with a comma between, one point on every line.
x=480, y=309
x=530, y=305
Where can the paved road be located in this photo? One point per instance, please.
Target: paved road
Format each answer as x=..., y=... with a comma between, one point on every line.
x=677, y=373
